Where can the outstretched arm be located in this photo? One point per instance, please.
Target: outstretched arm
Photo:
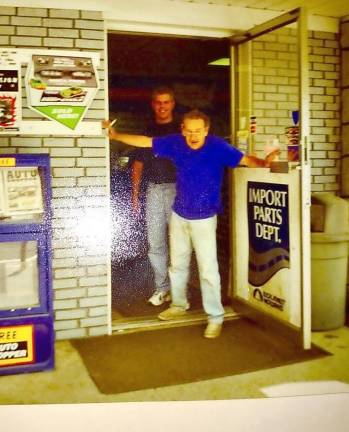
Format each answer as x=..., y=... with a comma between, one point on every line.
x=255, y=162
x=132, y=140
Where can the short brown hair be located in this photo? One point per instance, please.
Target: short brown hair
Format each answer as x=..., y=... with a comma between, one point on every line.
x=162, y=90
x=196, y=114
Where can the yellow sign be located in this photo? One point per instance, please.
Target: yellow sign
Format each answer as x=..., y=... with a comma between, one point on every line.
x=16, y=345
x=7, y=162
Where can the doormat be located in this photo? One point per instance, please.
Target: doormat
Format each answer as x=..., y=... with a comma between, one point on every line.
x=165, y=357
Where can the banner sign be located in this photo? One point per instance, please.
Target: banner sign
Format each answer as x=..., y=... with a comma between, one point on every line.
x=268, y=228
x=10, y=92
x=61, y=87
x=16, y=345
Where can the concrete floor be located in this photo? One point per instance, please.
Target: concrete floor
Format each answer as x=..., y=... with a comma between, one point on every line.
x=70, y=382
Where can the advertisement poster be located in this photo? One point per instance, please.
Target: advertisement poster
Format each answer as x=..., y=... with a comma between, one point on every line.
x=16, y=345
x=10, y=97
x=20, y=190
x=61, y=87
x=269, y=250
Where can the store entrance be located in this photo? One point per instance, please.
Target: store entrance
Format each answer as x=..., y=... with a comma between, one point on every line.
x=137, y=64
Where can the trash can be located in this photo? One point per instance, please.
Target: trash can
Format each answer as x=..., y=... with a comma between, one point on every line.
x=329, y=260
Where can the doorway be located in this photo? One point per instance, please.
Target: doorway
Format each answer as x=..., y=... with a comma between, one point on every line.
x=137, y=64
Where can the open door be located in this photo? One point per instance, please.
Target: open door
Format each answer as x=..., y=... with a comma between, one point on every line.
x=271, y=207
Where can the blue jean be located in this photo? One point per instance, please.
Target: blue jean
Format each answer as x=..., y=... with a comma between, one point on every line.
x=199, y=234
x=160, y=198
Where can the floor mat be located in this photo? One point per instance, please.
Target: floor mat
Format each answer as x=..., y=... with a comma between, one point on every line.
x=157, y=358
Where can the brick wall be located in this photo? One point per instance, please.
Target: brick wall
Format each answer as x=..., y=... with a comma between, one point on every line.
x=276, y=93
x=79, y=169
x=345, y=105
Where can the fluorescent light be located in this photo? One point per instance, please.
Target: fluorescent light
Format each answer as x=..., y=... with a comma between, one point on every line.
x=224, y=61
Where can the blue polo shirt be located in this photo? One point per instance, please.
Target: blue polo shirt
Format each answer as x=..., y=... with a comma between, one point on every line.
x=199, y=173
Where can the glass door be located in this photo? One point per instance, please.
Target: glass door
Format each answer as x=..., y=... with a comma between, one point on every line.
x=271, y=207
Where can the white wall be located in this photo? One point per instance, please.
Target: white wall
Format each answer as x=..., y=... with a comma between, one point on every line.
x=172, y=17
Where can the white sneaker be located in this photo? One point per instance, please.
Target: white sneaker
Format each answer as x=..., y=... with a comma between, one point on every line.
x=159, y=297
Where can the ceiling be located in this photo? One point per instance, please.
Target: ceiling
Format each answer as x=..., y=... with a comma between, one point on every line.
x=328, y=8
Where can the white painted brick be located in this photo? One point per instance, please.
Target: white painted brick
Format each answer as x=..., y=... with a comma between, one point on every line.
x=7, y=30
x=91, y=15
x=324, y=179
x=89, y=281
x=68, y=172
x=31, y=31
x=71, y=314
x=63, y=43
x=8, y=10
x=32, y=150
x=63, y=33
x=66, y=324
x=92, y=260
x=323, y=83
x=70, y=334
x=317, y=187
x=324, y=51
x=70, y=293
x=94, y=301
x=58, y=23
x=64, y=13
x=265, y=88
x=332, y=59
x=64, y=262
x=91, y=142
x=62, y=162
x=69, y=273
x=97, y=331
x=332, y=171
x=89, y=43
x=95, y=321
x=98, y=311
x=323, y=146
x=68, y=152
x=318, y=155
x=89, y=25
x=92, y=181
x=59, y=142
x=24, y=142
x=333, y=187
x=65, y=304
x=95, y=172
x=94, y=152
x=26, y=41
x=63, y=182
x=323, y=162
x=332, y=91
x=24, y=21
x=323, y=67
x=31, y=12
x=92, y=34
x=96, y=291
x=64, y=283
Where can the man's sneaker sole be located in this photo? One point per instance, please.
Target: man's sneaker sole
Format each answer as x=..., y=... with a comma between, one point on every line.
x=172, y=313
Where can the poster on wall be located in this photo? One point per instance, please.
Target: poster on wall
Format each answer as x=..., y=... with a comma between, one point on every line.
x=10, y=92
x=269, y=249
x=61, y=88
x=20, y=192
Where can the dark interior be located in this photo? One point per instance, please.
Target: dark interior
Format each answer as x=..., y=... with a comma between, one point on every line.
x=137, y=64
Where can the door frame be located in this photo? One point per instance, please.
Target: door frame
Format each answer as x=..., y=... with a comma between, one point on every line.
x=242, y=95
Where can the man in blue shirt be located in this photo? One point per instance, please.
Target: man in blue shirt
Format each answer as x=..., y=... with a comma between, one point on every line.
x=200, y=160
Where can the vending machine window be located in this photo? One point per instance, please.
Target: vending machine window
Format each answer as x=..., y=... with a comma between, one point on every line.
x=26, y=313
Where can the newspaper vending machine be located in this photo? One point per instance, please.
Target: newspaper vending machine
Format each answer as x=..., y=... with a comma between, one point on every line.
x=26, y=314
